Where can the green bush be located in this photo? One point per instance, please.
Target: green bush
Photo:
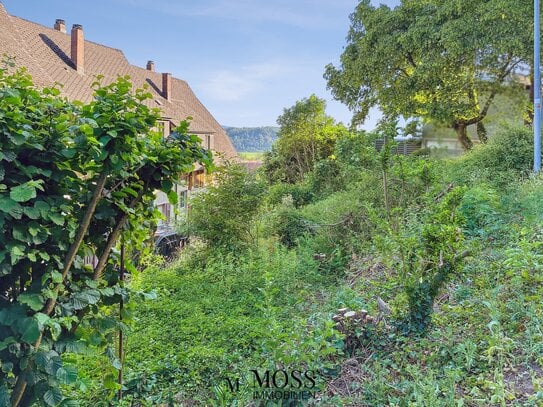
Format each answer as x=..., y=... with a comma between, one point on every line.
x=75, y=179
x=356, y=151
x=431, y=253
x=480, y=208
x=326, y=178
x=300, y=193
x=289, y=225
x=506, y=157
x=222, y=214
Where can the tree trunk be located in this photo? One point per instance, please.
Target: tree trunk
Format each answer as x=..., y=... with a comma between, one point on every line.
x=481, y=132
x=461, y=130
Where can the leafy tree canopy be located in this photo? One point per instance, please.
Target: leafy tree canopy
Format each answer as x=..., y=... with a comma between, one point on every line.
x=307, y=134
x=441, y=60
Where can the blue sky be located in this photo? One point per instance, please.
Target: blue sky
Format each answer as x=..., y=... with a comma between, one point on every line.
x=245, y=59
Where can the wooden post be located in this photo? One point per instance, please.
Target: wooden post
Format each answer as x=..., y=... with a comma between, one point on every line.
x=121, y=305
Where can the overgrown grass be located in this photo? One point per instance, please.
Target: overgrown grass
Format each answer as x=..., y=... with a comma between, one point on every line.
x=218, y=316
x=457, y=257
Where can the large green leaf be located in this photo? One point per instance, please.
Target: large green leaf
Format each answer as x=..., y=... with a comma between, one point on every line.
x=34, y=301
x=29, y=330
x=42, y=359
x=16, y=253
x=57, y=218
x=33, y=229
x=67, y=375
x=84, y=298
x=43, y=207
x=23, y=193
x=19, y=233
x=54, y=364
x=32, y=212
x=56, y=276
x=42, y=318
x=53, y=397
x=9, y=315
x=8, y=205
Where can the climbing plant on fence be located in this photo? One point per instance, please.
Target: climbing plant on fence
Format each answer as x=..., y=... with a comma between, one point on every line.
x=72, y=178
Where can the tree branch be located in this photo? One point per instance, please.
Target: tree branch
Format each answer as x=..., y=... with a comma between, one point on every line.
x=112, y=239
x=20, y=385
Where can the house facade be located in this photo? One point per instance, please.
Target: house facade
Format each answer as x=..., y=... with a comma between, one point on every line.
x=58, y=55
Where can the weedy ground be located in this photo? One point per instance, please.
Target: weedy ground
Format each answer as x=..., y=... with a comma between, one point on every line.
x=454, y=250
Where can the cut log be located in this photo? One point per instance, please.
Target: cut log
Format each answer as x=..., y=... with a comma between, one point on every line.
x=350, y=314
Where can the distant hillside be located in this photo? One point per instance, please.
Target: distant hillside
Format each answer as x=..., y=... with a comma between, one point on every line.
x=252, y=139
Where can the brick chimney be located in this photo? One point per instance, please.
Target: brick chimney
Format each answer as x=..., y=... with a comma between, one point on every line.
x=151, y=66
x=60, y=25
x=78, y=47
x=167, y=86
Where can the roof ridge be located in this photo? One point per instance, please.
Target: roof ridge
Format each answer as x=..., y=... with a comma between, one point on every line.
x=66, y=33
x=157, y=72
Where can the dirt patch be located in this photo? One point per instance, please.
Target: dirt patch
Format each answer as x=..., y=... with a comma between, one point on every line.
x=367, y=268
x=519, y=380
x=350, y=381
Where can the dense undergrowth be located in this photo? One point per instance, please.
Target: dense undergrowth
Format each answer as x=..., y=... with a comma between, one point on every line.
x=446, y=256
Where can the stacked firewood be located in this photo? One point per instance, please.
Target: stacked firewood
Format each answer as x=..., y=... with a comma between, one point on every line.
x=350, y=322
x=347, y=320
x=354, y=326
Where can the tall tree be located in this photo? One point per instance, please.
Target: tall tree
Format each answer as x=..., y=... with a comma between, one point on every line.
x=307, y=134
x=442, y=60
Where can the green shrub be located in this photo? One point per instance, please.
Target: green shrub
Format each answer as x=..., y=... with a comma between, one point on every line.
x=289, y=225
x=222, y=214
x=507, y=156
x=431, y=254
x=300, y=193
x=75, y=179
x=326, y=178
x=356, y=152
x=480, y=208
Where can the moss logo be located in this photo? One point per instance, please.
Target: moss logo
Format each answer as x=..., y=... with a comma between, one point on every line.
x=279, y=384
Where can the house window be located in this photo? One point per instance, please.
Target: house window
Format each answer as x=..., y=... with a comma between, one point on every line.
x=165, y=210
x=183, y=199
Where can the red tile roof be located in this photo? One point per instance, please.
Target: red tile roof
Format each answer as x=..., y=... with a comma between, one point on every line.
x=45, y=52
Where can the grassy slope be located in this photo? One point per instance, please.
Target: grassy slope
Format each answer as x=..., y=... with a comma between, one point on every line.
x=218, y=316
x=220, y=320
x=486, y=343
